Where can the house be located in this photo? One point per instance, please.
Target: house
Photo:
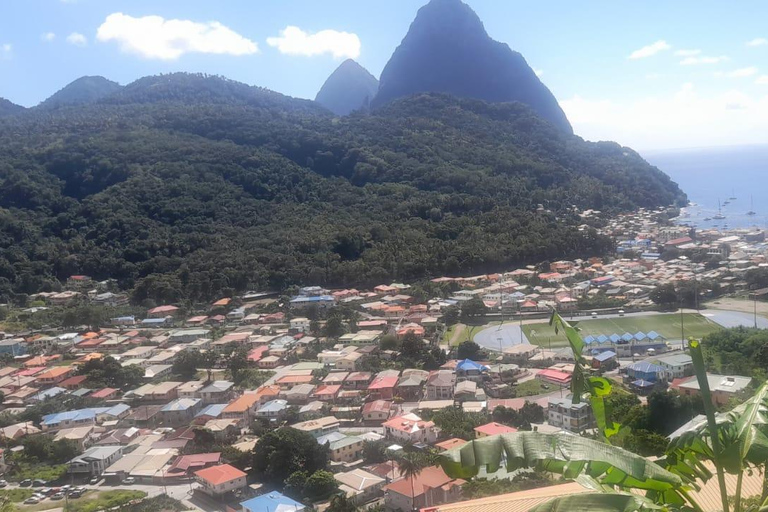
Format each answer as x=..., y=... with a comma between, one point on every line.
x=311, y=410
x=186, y=465
x=187, y=335
x=563, y=413
x=343, y=448
x=210, y=412
x=449, y=444
x=19, y=430
x=646, y=371
x=468, y=391
x=429, y=488
x=219, y=480
x=119, y=437
x=272, y=410
x=267, y=393
x=440, y=385
x=223, y=430
x=676, y=365
x=410, y=384
x=605, y=361
x=272, y=502
x=299, y=324
x=243, y=407
x=105, y=393
x=216, y=392
x=269, y=362
x=318, y=427
x=157, y=371
x=179, y=412
x=94, y=460
x=377, y=411
x=286, y=382
x=383, y=387
x=162, y=311
x=190, y=389
x=721, y=387
x=360, y=486
x=470, y=370
x=83, y=437
x=350, y=361
x=492, y=429
x=53, y=376
x=74, y=382
x=327, y=393
x=410, y=428
x=298, y=394
x=557, y=377
x=358, y=380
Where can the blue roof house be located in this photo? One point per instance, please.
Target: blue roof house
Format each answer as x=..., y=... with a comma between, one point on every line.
x=470, y=370
x=647, y=371
x=272, y=502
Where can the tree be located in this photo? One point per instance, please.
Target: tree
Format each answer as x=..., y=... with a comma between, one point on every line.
x=334, y=327
x=295, y=483
x=374, y=452
x=473, y=309
x=107, y=372
x=456, y=422
x=281, y=452
x=237, y=363
x=388, y=342
x=411, y=464
x=341, y=503
x=664, y=295
x=186, y=363
x=468, y=350
x=320, y=485
x=451, y=315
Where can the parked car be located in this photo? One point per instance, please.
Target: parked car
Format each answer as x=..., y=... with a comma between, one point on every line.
x=26, y=483
x=39, y=483
x=75, y=493
x=46, y=491
x=129, y=481
x=3, y=483
x=31, y=501
x=58, y=496
x=94, y=480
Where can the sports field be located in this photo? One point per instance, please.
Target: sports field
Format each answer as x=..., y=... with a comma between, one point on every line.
x=666, y=325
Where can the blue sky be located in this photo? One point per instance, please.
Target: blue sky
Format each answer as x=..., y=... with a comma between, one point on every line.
x=695, y=80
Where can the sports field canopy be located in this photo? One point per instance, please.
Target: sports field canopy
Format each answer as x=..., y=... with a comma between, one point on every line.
x=623, y=338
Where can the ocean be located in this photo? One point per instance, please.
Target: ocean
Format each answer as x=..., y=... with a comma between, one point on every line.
x=719, y=174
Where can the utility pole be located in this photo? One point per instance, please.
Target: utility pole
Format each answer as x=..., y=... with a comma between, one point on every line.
x=682, y=327
x=754, y=296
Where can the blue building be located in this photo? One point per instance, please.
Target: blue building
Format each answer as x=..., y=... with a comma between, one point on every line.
x=15, y=347
x=272, y=502
x=646, y=371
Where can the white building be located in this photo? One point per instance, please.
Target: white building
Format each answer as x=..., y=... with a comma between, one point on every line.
x=562, y=413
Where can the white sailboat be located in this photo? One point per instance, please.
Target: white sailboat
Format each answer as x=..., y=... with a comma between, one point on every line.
x=719, y=215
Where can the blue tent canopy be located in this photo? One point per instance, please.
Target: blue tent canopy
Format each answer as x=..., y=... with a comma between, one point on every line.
x=627, y=337
x=589, y=339
x=640, y=336
x=653, y=335
x=602, y=338
x=469, y=365
x=615, y=338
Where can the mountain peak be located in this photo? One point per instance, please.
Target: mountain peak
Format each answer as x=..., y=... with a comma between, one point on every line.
x=8, y=108
x=447, y=49
x=86, y=89
x=349, y=88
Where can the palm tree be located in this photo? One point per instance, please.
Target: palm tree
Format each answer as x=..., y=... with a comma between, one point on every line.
x=411, y=464
x=341, y=503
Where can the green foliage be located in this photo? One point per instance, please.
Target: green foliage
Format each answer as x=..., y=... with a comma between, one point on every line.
x=107, y=372
x=15, y=495
x=473, y=309
x=43, y=449
x=529, y=413
x=456, y=422
x=388, y=342
x=320, y=485
x=468, y=350
x=186, y=363
x=738, y=351
x=162, y=503
x=340, y=503
x=205, y=185
x=451, y=315
x=482, y=487
x=375, y=452
x=251, y=378
x=282, y=452
x=105, y=501
x=664, y=295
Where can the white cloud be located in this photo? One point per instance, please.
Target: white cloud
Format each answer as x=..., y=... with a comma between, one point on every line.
x=539, y=72
x=294, y=41
x=684, y=118
x=742, y=72
x=650, y=50
x=762, y=80
x=758, y=41
x=6, y=51
x=77, y=39
x=154, y=37
x=48, y=37
x=694, y=61
x=687, y=53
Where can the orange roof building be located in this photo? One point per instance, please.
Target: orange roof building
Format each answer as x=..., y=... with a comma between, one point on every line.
x=493, y=428
x=241, y=406
x=219, y=480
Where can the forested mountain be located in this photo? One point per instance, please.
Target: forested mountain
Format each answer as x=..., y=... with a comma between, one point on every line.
x=86, y=89
x=192, y=187
x=8, y=109
x=350, y=87
x=448, y=50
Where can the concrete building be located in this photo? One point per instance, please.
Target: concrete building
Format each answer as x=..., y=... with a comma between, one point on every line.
x=562, y=413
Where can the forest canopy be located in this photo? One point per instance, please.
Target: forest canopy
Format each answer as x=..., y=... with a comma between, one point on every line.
x=184, y=186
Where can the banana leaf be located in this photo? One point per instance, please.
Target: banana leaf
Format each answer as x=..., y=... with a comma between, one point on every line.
x=613, y=502
x=565, y=454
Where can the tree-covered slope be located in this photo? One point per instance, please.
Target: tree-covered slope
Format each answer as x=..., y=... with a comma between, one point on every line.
x=8, y=108
x=86, y=89
x=199, y=186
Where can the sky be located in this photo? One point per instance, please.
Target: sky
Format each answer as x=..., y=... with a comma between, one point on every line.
x=652, y=75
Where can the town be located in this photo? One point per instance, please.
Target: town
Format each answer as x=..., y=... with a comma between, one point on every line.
x=268, y=400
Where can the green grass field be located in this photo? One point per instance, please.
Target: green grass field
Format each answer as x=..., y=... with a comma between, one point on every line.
x=666, y=325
